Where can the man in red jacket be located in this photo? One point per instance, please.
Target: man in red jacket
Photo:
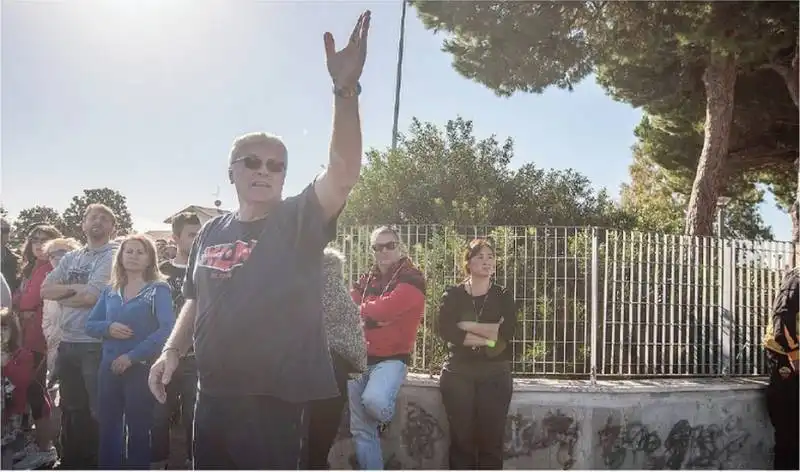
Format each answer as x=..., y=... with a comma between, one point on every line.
x=392, y=300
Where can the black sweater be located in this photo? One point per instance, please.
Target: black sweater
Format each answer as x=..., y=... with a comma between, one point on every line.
x=458, y=305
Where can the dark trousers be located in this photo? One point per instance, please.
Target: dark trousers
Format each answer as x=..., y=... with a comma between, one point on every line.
x=181, y=396
x=476, y=405
x=325, y=417
x=782, y=406
x=253, y=432
x=38, y=398
x=77, y=366
x=125, y=405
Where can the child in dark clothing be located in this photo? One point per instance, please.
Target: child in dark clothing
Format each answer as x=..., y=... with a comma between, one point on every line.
x=133, y=316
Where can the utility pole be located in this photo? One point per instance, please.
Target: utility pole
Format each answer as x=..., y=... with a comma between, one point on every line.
x=399, y=75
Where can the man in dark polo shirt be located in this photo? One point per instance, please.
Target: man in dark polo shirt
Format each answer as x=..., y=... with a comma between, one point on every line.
x=253, y=287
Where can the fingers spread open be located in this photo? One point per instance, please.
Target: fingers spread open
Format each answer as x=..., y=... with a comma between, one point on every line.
x=330, y=46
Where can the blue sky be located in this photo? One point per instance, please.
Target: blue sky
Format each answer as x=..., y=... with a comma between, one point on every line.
x=145, y=96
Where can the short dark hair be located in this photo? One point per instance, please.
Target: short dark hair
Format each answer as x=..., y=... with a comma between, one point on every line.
x=103, y=209
x=183, y=219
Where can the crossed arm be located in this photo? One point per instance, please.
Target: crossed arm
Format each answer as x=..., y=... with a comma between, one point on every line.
x=473, y=333
x=76, y=295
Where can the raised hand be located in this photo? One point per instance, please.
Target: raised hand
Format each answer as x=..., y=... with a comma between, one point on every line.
x=345, y=66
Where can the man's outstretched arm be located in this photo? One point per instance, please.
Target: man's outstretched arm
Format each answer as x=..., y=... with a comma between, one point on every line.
x=344, y=165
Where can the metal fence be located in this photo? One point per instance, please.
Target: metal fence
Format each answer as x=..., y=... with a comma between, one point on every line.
x=595, y=302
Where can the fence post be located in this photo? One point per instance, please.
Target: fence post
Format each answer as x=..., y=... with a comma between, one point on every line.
x=726, y=312
x=593, y=346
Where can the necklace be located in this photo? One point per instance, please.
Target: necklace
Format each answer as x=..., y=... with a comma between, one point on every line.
x=385, y=287
x=478, y=313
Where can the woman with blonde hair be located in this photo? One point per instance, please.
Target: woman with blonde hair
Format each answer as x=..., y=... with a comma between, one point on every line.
x=133, y=316
x=477, y=319
x=51, y=313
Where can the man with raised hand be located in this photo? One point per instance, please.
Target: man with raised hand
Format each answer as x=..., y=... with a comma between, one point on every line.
x=253, y=287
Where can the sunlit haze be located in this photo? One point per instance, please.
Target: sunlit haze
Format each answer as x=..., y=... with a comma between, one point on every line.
x=145, y=97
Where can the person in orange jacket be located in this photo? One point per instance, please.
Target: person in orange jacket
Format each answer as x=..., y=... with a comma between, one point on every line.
x=391, y=297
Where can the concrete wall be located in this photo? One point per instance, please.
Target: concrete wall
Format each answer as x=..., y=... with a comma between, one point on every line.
x=563, y=424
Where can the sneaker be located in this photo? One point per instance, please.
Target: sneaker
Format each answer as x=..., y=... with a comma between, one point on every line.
x=37, y=459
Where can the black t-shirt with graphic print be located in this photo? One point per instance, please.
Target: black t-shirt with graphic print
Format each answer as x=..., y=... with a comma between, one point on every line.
x=175, y=274
x=259, y=327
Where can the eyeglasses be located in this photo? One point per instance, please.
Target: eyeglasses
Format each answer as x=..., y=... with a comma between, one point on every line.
x=255, y=163
x=390, y=246
x=39, y=240
x=58, y=253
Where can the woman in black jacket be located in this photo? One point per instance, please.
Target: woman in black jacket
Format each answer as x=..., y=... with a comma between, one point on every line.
x=477, y=320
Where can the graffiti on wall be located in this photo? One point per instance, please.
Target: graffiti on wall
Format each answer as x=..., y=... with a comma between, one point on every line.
x=524, y=436
x=421, y=432
x=684, y=447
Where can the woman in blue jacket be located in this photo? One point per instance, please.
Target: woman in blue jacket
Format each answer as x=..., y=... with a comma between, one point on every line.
x=133, y=316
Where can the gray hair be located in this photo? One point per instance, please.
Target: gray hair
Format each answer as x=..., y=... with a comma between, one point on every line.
x=266, y=139
x=384, y=230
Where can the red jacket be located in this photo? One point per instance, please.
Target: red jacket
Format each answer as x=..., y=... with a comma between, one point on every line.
x=392, y=306
x=19, y=371
x=29, y=298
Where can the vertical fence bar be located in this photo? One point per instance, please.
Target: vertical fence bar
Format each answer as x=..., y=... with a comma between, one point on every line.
x=726, y=312
x=660, y=305
x=595, y=315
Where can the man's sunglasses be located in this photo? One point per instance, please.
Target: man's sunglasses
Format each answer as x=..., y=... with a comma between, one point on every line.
x=255, y=163
x=391, y=246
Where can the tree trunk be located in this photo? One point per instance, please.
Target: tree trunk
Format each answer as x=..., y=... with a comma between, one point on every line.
x=720, y=82
x=791, y=75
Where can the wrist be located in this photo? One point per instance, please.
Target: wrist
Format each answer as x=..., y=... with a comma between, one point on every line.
x=347, y=90
x=170, y=350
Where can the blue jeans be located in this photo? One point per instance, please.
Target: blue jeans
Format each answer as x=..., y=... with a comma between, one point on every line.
x=372, y=402
x=124, y=404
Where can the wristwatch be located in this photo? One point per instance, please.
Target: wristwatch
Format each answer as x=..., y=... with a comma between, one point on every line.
x=347, y=92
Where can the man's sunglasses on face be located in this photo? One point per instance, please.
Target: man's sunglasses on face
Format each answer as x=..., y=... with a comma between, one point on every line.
x=390, y=246
x=255, y=163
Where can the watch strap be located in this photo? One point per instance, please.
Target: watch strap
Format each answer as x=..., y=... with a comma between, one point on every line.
x=347, y=92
